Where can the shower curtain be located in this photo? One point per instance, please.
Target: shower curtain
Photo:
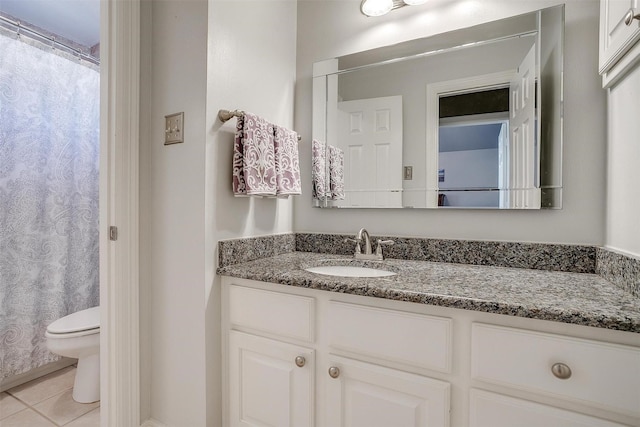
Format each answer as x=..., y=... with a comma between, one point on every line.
x=49, y=156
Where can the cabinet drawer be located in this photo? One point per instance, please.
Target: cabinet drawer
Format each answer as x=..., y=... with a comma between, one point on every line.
x=408, y=338
x=289, y=316
x=607, y=375
x=495, y=410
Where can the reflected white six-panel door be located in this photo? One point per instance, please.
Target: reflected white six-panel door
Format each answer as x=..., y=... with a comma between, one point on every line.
x=370, y=134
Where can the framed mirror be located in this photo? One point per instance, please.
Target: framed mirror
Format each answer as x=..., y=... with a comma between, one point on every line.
x=470, y=118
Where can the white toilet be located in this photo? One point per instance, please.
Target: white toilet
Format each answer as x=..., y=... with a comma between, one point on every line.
x=78, y=336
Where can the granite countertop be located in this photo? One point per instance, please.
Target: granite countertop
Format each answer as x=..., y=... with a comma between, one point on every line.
x=577, y=298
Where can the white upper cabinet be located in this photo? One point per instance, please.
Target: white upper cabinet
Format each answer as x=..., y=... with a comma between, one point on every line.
x=619, y=34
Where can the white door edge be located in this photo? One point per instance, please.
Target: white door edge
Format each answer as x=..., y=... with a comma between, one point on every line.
x=119, y=171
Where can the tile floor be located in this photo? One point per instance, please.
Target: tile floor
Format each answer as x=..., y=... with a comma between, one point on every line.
x=47, y=402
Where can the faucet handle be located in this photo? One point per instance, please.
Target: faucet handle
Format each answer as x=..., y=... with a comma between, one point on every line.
x=380, y=243
x=357, y=242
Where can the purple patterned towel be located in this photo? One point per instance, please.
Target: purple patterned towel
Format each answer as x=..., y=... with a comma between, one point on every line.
x=254, y=168
x=287, y=163
x=239, y=188
x=318, y=169
x=336, y=173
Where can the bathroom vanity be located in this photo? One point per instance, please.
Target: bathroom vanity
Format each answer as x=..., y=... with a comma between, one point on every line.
x=436, y=344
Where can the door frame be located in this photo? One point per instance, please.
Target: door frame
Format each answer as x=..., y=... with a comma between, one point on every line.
x=119, y=204
x=450, y=87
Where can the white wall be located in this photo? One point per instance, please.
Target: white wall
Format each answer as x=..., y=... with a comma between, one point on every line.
x=173, y=215
x=200, y=56
x=251, y=66
x=623, y=174
x=469, y=168
x=333, y=28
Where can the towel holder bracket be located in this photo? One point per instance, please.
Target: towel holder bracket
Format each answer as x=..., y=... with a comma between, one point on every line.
x=226, y=115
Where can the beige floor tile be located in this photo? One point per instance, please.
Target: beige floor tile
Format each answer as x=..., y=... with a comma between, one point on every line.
x=92, y=419
x=43, y=388
x=61, y=408
x=9, y=405
x=27, y=417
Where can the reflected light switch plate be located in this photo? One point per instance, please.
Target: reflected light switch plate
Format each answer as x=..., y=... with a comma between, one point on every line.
x=173, y=128
x=408, y=173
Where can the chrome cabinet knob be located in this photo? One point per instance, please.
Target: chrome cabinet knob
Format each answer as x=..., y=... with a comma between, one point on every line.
x=334, y=372
x=300, y=361
x=561, y=371
x=630, y=16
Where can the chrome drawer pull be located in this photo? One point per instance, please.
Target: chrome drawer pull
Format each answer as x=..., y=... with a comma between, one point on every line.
x=300, y=361
x=630, y=16
x=562, y=371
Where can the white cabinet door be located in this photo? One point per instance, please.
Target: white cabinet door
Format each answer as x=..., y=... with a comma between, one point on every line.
x=495, y=410
x=616, y=38
x=365, y=395
x=267, y=387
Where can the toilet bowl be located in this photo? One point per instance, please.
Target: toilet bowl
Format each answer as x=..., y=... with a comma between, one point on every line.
x=78, y=336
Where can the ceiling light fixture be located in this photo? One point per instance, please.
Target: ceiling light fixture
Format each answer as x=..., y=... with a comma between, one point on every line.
x=382, y=7
x=376, y=7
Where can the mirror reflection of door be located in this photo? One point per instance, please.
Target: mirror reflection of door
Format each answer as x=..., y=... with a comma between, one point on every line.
x=370, y=134
x=524, y=191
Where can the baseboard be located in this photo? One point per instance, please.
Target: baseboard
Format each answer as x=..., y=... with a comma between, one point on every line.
x=152, y=423
x=16, y=380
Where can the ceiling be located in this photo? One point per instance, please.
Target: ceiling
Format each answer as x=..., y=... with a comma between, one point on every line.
x=76, y=20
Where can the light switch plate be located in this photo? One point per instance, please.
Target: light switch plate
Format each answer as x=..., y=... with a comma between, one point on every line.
x=408, y=173
x=173, y=128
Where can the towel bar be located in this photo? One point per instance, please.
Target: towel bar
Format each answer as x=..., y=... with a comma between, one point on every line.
x=225, y=115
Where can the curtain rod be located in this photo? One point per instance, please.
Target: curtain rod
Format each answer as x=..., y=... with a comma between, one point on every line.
x=226, y=115
x=21, y=29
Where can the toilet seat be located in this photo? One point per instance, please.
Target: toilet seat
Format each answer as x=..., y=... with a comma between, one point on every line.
x=83, y=322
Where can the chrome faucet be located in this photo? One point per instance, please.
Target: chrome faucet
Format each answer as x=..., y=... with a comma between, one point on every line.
x=364, y=234
x=363, y=237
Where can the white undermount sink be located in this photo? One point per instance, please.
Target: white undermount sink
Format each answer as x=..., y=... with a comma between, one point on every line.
x=349, y=271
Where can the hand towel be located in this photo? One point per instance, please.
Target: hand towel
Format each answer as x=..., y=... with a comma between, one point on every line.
x=286, y=162
x=318, y=170
x=239, y=188
x=254, y=147
x=336, y=173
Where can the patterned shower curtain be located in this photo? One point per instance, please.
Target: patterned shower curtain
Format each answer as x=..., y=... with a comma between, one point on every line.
x=49, y=156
